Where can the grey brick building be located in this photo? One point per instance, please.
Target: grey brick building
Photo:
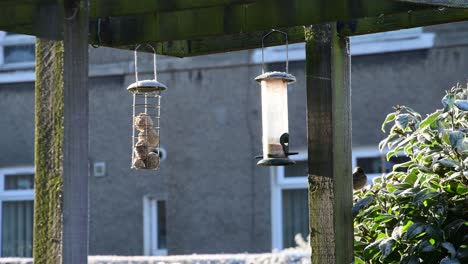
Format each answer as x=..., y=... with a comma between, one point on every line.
x=209, y=196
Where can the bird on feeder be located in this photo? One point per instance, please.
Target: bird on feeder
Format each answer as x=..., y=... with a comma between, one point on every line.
x=359, y=179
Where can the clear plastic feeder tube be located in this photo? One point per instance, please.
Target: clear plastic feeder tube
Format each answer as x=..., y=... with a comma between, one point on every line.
x=274, y=116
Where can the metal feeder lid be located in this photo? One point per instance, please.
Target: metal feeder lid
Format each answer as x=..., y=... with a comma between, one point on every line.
x=146, y=86
x=289, y=78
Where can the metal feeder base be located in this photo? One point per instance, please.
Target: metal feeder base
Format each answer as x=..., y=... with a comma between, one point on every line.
x=276, y=162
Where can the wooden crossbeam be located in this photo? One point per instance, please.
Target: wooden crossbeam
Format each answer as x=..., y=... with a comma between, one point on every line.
x=187, y=48
x=113, y=8
x=216, y=29
x=443, y=3
x=210, y=20
x=233, y=19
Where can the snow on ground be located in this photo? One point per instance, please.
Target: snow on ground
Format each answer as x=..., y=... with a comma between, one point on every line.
x=289, y=256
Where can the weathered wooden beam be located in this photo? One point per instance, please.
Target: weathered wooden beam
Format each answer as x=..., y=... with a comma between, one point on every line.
x=443, y=3
x=47, y=26
x=75, y=136
x=329, y=144
x=251, y=40
x=233, y=19
x=113, y=8
x=404, y=20
x=48, y=152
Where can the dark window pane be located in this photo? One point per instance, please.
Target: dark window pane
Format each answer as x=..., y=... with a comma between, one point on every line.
x=370, y=164
x=17, y=225
x=18, y=53
x=19, y=182
x=297, y=170
x=162, y=225
x=396, y=160
x=295, y=215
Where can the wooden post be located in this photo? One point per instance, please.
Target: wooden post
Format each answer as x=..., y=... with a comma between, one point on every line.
x=48, y=155
x=75, y=147
x=329, y=145
x=61, y=143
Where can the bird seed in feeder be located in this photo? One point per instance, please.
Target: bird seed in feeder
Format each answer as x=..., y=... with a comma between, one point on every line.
x=143, y=121
x=139, y=164
x=141, y=149
x=275, y=150
x=152, y=161
x=149, y=136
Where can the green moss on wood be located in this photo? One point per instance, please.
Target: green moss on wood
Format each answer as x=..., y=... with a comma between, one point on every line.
x=49, y=90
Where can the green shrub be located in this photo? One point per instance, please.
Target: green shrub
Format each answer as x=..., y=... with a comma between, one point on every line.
x=419, y=215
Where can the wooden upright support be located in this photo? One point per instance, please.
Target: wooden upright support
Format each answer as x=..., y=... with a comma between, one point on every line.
x=329, y=145
x=61, y=147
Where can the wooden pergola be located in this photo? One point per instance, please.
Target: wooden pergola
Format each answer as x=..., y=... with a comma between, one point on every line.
x=189, y=28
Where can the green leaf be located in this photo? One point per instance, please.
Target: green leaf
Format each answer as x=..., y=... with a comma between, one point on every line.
x=462, y=189
x=424, y=195
x=462, y=253
x=448, y=163
x=448, y=260
x=452, y=229
x=394, y=152
x=450, y=248
x=429, y=120
x=456, y=188
x=390, y=117
x=372, y=251
x=448, y=102
x=384, y=218
x=434, y=232
x=414, y=230
x=403, y=165
x=386, y=247
x=357, y=260
x=453, y=176
x=426, y=246
x=410, y=260
x=362, y=204
x=462, y=104
x=402, y=121
x=455, y=138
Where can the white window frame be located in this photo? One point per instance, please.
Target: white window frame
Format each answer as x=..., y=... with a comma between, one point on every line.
x=279, y=182
x=150, y=228
x=390, y=41
x=15, y=40
x=13, y=195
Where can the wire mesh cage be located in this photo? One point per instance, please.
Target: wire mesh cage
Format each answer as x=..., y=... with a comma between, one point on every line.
x=146, y=120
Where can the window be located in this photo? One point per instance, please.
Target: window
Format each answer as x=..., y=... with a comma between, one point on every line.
x=295, y=215
x=16, y=211
x=374, y=163
x=154, y=226
x=289, y=206
x=16, y=51
x=289, y=198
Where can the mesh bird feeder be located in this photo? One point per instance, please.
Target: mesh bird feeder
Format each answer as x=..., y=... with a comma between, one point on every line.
x=146, y=119
x=275, y=136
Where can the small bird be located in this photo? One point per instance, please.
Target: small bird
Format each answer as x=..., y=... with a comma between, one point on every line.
x=359, y=179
